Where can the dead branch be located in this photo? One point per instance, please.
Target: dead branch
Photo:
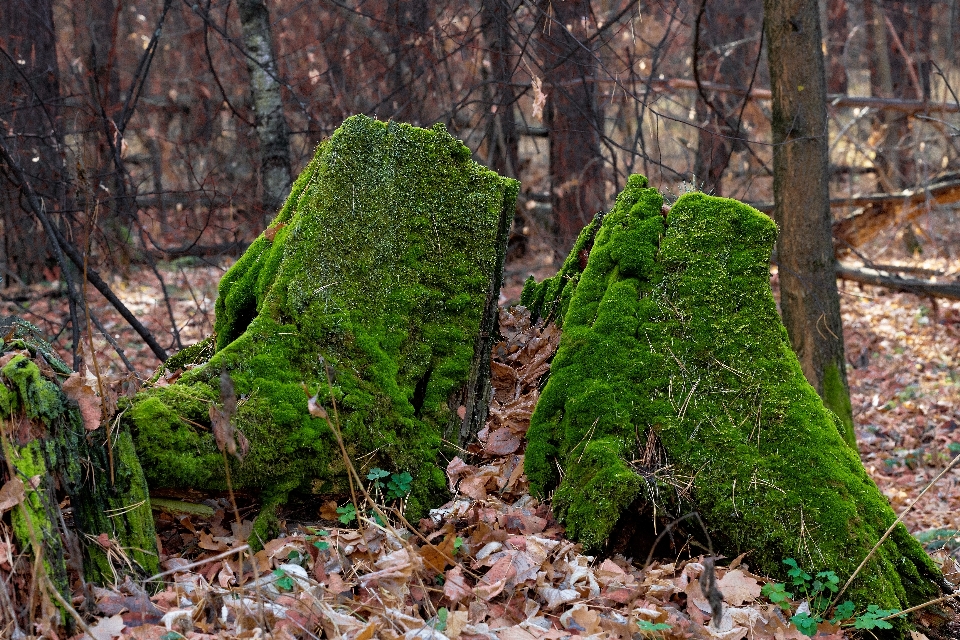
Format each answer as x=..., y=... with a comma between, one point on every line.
x=61, y=246
x=833, y=99
x=945, y=290
x=881, y=210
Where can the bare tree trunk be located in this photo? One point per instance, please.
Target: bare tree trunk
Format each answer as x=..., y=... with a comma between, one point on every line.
x=407, y=21
x=573, y=117
x=721, y=54
x=267, y=105
x=29, y=107
x=900, y=49
x=837, y=31
x=808, y=283
x=502, y=135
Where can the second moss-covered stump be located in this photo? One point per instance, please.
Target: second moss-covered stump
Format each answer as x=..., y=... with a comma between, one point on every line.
x=382, y=271
x=674, y=389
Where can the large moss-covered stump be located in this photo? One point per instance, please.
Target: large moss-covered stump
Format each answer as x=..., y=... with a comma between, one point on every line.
x=48, y=454
x=674, y=385
x=382, y=271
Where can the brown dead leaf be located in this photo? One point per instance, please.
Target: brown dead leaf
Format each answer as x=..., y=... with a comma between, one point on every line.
x=328, y=511
x=501, y=442
x=316, y=409
x=455, y=586
x=11, y=494
x=435, y=557
x=738, y=588
x=271, y=232
x=79, y=389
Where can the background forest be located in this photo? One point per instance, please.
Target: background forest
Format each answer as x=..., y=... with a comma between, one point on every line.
x=157, y=132
x=146, y=145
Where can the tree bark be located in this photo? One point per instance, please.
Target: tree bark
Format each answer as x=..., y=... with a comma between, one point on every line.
x=720, y=57
x=407, y=21
x=267, y=105
x=836, y=13
x=573, y=117
x=810, y=302
x=502, y=135
x=30, y=90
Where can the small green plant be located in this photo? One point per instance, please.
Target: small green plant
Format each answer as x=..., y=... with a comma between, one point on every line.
x=457, y=545
x=348, y=513
x=397, y=485
x=873, y=618
x=283, y=581
x=440, y=622
x=651, y=627
x=818, y=592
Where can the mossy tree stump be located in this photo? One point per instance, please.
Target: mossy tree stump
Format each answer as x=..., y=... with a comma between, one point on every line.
x=48, y=454
x=383, y=271
x=674, y=385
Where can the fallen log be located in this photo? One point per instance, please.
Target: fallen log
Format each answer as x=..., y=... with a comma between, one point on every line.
x=945, y=290
x=881, y=210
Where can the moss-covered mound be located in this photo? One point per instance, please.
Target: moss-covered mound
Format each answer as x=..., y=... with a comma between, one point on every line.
x=672, y=344
x=382, y=270
x=45, y=440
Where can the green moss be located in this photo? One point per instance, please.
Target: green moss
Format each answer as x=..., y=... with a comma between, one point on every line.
x=377, y=272
x=836, y=397
x=672, y=336
x=53, y=448
x=38, y=397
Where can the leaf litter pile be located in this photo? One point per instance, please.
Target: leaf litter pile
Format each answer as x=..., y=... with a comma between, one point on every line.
x=492, y=562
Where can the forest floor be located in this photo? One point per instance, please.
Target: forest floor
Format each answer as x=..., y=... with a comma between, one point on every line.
x=493, y=563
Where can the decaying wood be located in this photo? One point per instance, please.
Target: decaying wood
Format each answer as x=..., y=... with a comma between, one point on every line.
x=945, y=290
x=881, y=210
x=833, y=99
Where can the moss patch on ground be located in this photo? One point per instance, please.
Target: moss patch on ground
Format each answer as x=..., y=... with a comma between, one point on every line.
x=377, y=272
x=672, y=341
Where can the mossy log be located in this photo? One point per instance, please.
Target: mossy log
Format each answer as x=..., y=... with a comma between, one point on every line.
x=674, y=388
x=382, y=271
x=49, y=455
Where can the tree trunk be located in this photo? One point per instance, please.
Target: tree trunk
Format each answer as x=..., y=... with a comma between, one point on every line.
x=407, y=21
x=722, y=56
x=837, y=32
x=574, y=117
x=501, y=129
x=900, y=49
x=30, y=96
x=267, y=106
x=810, y=302
x=501, y=135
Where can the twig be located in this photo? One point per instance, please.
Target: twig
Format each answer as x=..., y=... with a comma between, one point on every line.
x=66, y=605
x=198, y=563
x=60, y=246
x=890, y=529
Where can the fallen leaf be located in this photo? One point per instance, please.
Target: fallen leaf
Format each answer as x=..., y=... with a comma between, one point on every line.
x=78, y=388
x=455, y=586
x=738, y=588
x=11, y=494
x=501, y=442
x=328, y=511
x=271, y=232
x=106, y=629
